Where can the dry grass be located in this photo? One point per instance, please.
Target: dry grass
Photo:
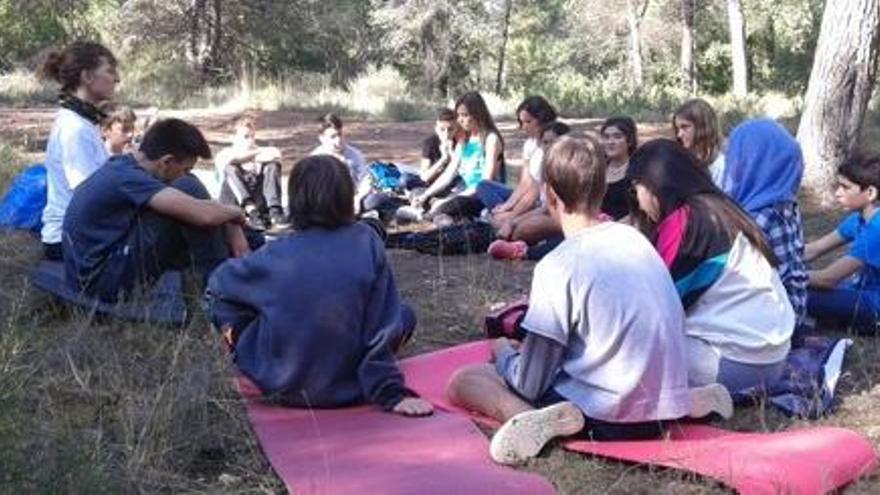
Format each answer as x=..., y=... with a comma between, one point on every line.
x=90, y=406
x=95, y=407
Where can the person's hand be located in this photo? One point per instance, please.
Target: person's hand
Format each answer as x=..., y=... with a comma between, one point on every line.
x=506, y=230
x=499, y=345
x=413, y=406
x=236, y=215
x=418, y=201
x=237, y=242
x=501, y=208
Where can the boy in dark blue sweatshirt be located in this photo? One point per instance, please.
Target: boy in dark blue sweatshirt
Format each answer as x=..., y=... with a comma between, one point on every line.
x=314, y=318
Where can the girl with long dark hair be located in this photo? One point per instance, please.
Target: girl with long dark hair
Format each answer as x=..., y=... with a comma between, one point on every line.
x=739, y=321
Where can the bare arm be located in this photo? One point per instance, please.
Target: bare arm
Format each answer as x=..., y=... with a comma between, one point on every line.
x=831, y=276
x=434, y=170
x=243, y=156
x=529, y=196
x=447, y=177
x=821, y=246
x=524, y=180
x=193, y=211
x=494, y=148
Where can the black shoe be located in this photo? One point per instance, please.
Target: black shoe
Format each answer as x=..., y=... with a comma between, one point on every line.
x=256, y=221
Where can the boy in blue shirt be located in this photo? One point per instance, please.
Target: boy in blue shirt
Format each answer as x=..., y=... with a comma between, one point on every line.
x=848, y=289
x=143, y=213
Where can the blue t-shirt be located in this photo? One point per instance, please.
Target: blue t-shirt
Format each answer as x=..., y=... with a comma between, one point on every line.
x=865, y=247
x=473, y=162
x=98, y=221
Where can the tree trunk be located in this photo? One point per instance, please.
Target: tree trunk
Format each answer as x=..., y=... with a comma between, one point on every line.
x=216, y=34
x=840, y=87
x=738, y=48
x=637, y=77
x=508, y=6
x=688, y=43
x=196, y=14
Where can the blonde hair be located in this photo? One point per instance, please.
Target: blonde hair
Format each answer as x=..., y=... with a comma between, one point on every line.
x=575, y=170
x=707, y=129
x=246, y=120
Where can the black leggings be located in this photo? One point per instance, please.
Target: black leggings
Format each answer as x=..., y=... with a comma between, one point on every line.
x=461, y=207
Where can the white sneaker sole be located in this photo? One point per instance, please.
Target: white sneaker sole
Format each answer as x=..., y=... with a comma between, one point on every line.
x=524, y=435
x=712, y=398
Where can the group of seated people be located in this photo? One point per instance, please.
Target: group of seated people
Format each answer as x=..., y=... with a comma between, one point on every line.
x=675, y=276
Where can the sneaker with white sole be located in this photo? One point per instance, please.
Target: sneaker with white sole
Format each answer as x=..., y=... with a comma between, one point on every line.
x=524, y=435
x=712, y=398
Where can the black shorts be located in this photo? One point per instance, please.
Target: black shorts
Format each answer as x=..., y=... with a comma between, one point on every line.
x=604, y=431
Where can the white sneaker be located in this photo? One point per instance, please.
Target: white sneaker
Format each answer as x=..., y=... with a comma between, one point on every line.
x=524, y=435
x=712, y=398
x=408, y=214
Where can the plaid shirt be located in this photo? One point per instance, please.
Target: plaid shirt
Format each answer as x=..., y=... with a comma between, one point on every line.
x=784, y=231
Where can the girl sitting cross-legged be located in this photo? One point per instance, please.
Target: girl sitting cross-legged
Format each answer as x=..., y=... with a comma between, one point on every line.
x=739, y=321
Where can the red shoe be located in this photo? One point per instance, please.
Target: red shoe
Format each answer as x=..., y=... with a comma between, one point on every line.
x=508, y=250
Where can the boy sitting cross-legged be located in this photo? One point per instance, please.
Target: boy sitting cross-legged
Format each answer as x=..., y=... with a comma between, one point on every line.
x=604, y=351
x=855, y=301
x=142, y=214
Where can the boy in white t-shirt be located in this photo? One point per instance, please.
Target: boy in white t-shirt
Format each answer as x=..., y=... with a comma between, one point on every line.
x=604, y=351
x=333, y=143
x=250, y=177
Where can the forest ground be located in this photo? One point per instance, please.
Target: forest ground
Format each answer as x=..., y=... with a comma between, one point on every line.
x=88, y=405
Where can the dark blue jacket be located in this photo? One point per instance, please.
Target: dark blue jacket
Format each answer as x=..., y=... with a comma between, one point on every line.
x=316, y=315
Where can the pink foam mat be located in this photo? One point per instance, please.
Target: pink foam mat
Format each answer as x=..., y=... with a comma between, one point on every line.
x=802, y=461
x=365, y=450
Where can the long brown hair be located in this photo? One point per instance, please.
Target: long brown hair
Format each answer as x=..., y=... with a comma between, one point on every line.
x=707, y=129
x=65, y=67
x=479, y=111
x=668, y=171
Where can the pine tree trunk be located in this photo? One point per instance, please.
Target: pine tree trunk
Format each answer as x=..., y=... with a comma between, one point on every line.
x=688, y=43
x=508, y=6
x=840, y=87
x=738, y=48
x=637, y=73
x=216, y=34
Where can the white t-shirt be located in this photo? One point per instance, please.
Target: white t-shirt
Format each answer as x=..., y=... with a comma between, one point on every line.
x=533, y=159
x=745, y=314
x=352, y=157
x=716, y=170
x=536, y=166
x=606, y=295
x=74, y=151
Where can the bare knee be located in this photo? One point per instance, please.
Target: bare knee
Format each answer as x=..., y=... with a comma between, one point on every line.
x=467, y=381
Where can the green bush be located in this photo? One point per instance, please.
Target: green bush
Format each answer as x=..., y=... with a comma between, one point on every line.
x=406, y=110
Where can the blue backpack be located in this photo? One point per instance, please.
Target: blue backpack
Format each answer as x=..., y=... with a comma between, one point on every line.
x=22, y=206
x=385, y=176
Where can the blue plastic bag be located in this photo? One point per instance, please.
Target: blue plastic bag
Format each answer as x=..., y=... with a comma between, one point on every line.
x=22, y=206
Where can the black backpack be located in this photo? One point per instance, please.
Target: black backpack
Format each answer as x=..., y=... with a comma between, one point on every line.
x=464, y=238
